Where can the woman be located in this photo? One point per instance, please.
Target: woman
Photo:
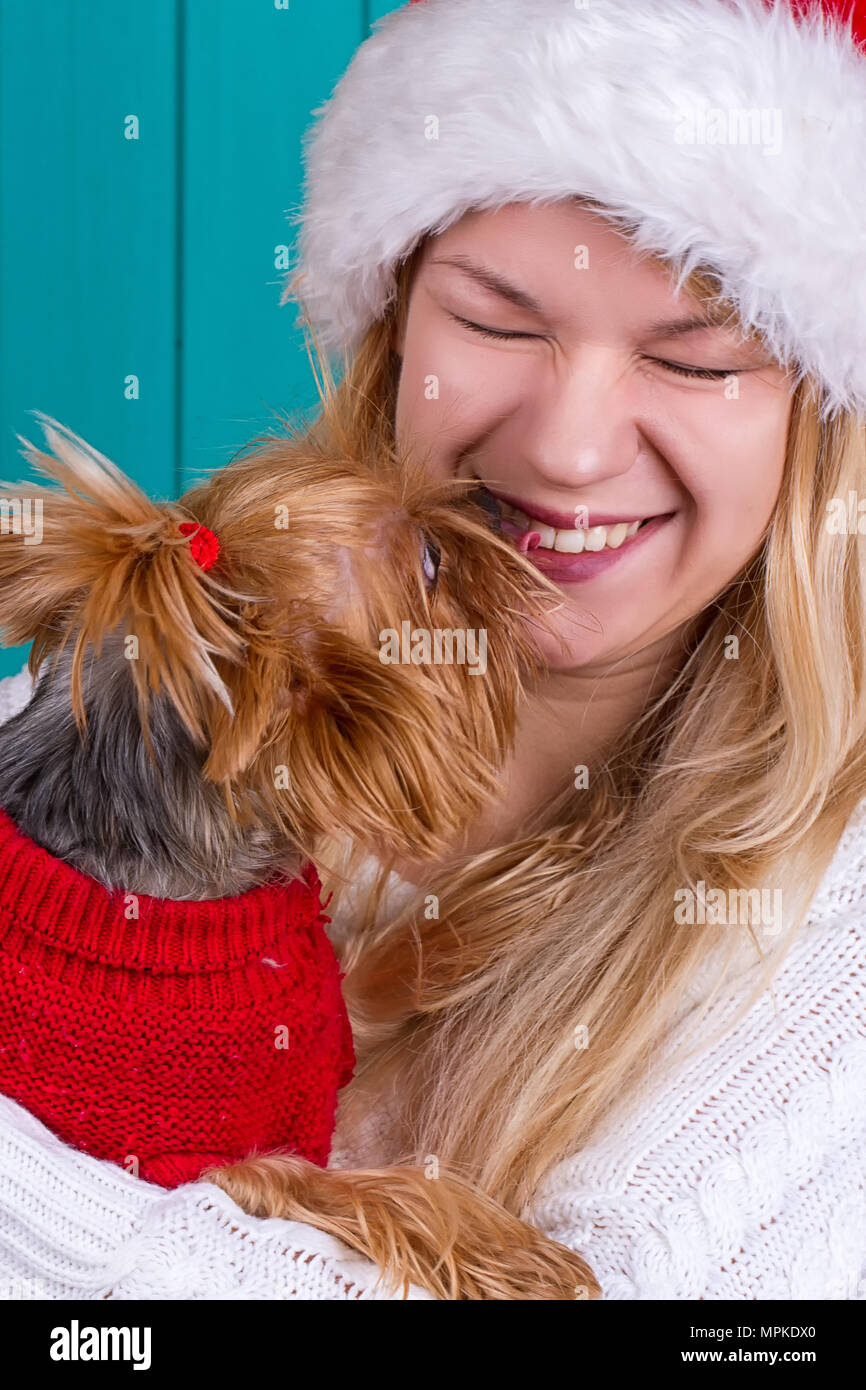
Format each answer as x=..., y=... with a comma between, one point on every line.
x=637, y=1013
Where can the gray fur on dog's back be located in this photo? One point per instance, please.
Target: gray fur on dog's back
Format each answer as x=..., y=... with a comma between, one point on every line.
x=102, y=805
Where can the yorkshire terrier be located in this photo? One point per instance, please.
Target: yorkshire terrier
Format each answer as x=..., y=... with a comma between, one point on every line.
x=216, y=691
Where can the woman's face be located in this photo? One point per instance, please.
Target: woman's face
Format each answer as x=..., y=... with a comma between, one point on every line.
x=600, y=409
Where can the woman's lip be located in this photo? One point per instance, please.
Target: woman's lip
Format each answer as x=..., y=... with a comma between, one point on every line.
x=562, y=568
x=564, y=521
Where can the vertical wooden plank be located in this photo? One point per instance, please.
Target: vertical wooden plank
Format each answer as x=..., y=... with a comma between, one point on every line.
x=155, y=258
x=253, y=75
x=88, y=229
x=88, y=232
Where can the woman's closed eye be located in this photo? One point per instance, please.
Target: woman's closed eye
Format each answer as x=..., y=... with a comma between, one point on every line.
x=679, y=368
x=705, y=373
x=484, y=332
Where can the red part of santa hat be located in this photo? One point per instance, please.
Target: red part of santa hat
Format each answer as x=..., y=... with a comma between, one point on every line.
x=728, y=134
x=852, y=12
x=846, y=10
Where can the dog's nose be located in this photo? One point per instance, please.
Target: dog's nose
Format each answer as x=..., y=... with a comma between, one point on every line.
x=490, y=505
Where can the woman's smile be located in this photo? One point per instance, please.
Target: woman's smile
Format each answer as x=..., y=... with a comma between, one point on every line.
x=596, y=554
x=572, y=547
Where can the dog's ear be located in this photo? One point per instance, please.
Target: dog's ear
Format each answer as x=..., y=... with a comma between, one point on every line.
x=260, y=690
x=94, y=556
x=337, y=743
x=329, y=736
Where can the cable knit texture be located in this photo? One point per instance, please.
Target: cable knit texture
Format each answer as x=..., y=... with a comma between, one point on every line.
x=75, y=1227
x=740, y=1175
x=744, y=1174
x=168, y=1036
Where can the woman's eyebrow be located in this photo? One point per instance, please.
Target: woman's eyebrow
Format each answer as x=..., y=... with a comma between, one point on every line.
x=675, y=328
x=491, y=280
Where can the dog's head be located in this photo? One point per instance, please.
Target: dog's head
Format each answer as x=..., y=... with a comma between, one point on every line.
x=350, y=664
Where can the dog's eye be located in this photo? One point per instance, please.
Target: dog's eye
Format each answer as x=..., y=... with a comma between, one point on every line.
x=430, y=557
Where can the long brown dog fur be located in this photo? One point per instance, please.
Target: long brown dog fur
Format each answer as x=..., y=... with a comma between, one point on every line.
x=271, y=661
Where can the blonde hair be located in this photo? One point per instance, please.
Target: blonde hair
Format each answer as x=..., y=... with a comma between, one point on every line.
x=741, y=775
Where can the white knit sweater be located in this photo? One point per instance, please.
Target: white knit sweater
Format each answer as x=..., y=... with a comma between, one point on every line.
x=742, y=1175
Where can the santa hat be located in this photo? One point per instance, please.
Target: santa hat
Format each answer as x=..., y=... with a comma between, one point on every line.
x=729, y=134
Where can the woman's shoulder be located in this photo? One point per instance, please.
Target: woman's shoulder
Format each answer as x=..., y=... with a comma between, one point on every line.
x=843, y=888
x=349, y=907
x=741, y=1172
x=15, y=692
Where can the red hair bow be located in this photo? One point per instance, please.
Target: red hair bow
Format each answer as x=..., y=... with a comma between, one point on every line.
x=204, y=546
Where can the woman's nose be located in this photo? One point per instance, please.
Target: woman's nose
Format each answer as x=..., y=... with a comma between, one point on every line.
x=582, y=427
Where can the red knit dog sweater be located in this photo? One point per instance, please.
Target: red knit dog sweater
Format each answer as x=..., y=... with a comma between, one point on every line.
x=168, y=1036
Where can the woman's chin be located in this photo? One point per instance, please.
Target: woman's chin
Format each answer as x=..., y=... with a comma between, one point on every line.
x=570, y=645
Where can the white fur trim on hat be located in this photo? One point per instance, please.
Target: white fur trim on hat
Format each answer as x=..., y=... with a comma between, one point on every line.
x=731, y=135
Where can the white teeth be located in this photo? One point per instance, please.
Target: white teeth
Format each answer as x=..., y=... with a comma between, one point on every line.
x=574, y=542
x=570, y=542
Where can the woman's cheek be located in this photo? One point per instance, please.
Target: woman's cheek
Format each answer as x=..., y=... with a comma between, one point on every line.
x=729, y=454
x=452, y=398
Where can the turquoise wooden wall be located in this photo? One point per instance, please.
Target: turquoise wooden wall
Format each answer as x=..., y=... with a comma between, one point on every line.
x=150, y=155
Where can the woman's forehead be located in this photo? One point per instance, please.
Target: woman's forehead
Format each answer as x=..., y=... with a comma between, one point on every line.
x=564, y=258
